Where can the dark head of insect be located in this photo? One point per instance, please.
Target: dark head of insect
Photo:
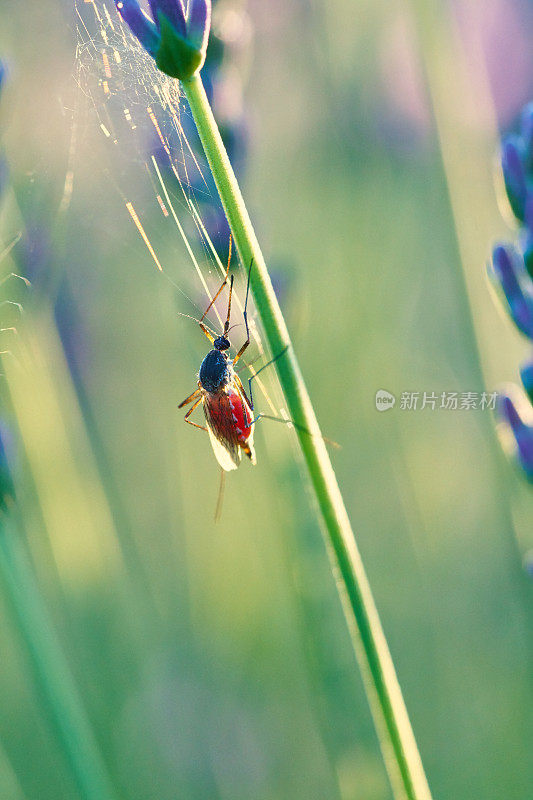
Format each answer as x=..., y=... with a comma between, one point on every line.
x=221, y=343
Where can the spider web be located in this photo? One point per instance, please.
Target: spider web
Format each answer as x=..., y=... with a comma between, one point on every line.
x=155, y=151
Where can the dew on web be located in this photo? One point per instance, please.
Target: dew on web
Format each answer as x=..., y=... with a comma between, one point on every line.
x=155, y=154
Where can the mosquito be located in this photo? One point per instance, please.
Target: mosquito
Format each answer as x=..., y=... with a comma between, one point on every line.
x=229, y=411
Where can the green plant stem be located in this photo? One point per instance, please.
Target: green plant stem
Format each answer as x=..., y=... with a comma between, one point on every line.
x=390, y=714
x=50, y=669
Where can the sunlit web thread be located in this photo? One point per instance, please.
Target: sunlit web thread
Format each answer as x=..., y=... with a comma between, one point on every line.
x=162, y=91
x=152, y=92
x=118, y=87
x=129, y=92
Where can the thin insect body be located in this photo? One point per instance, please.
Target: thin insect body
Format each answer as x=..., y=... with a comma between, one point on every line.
x=229, y=411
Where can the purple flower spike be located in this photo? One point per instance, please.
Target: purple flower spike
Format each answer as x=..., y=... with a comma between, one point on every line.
x=511, y=414
x=514, y=174
x=178, y=43
x=140, y=24
x=526, y=235
x=517, y=286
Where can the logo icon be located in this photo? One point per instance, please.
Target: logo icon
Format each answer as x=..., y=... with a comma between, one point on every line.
x=384, y=400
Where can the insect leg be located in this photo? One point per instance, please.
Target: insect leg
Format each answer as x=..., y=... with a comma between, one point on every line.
x=243, y=390
x=261, y=370
x=188, y=414
x=298, y=426
x=226, y=324
x=245, y=315
x=246, y=365
x=190, y=398
x=207, y=333
x=224, y=282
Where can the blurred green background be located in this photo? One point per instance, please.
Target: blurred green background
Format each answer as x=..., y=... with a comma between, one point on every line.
x=213, y=661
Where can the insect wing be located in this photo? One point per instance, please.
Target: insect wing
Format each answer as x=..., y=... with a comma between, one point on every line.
x=221, y=430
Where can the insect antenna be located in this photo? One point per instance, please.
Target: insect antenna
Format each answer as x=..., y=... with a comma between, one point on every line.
x=198, y=322
x=226, y=324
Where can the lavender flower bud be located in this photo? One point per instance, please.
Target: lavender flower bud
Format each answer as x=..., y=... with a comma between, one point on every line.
x=177, y=42
x=199, y=23
x=522, y=434
x=173, y=10
x=526, y=248
x=514, y=174
x=517, y=286
x=140, y=24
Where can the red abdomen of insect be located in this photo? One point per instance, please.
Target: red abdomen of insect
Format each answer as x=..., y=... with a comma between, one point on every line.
x=229, y=423
x=242, y=416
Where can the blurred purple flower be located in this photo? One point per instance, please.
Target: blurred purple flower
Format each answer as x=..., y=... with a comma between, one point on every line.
x=514, y=174
x=513, y=267
x=526, y=247
x=173, y=10
x=140, y=24
x=517, y=286
x=34, y=253
x=34, y=256
x=511, y=413
x=494, y=38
